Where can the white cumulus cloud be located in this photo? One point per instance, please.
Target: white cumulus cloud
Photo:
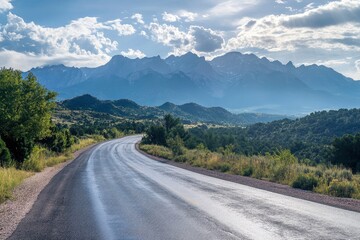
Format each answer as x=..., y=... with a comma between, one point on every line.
x=5, y=5
x=138, y=17
x=83, y=42
x=168, y=17
x=131, y=53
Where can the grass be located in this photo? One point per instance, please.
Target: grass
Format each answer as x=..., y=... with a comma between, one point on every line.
x=38, y=160
x=282, y=167
x=9, y=179
x=41, y=158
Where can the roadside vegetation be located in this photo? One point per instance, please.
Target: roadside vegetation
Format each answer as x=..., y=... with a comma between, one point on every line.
x=34, y=135
x=170, y=140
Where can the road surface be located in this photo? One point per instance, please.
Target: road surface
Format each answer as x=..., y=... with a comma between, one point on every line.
x=114, y=192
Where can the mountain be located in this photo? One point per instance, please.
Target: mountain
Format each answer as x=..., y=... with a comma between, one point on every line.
x=190, y=112
x=240, y=82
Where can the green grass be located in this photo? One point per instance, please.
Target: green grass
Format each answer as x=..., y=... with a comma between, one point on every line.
x=9, y=179
x=282, y=167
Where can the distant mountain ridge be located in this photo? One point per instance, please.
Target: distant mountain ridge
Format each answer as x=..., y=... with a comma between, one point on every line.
x=190, y=112
x=234, y=81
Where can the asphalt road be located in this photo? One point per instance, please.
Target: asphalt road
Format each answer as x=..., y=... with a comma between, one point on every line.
x=114, y=192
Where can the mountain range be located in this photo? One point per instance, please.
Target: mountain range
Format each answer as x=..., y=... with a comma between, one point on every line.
x=189, y=112
x=238, y=82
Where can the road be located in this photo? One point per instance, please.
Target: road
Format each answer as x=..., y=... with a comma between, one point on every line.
x=114, y=192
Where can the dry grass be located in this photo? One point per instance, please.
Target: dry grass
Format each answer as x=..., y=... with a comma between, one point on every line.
x=282, y=168
x=9, y=179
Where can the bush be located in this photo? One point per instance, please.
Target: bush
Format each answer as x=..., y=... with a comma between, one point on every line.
x=224, y=167
x=35, y=162
x=5, y=158
x=342, y=188
x=176, y=145
x=248, y=171
x=305, y=182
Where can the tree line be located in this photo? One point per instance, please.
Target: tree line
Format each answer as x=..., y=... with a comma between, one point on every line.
x=315, y=139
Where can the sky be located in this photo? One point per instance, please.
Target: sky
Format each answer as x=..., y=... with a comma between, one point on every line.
x=88, y=32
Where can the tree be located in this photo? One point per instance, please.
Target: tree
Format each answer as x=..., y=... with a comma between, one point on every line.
x=347, y=151
x=59, y=140
x=25, y=112
x=5, y=159
x=155, y=135
x=170, y=122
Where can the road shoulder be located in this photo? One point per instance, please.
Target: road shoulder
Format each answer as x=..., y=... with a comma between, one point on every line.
x=343, y=203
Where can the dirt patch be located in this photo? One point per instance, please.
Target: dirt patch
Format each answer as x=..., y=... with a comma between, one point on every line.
x=24, y=196
x=344, y=203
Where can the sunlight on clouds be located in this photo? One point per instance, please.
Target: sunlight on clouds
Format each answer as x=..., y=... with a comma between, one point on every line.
x=333, y=13
x=138, y=17
x=231, y=7
x=80, y=43
x=168, y=17
x=131, y=53
x=5, y=5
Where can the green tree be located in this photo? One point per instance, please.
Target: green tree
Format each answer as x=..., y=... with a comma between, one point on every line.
x=170, y=122
x=155, y=135
x=5, y=159
x=25, y=112
x=59, y=140
x=347, y=151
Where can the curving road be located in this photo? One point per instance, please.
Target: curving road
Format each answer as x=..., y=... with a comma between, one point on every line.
x=114, y=192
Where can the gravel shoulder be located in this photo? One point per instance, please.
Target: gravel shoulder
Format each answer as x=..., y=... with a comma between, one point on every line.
x=24, y=196
x=343, y=203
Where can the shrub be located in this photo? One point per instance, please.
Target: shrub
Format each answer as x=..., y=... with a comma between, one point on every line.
x=224, y=167
x=35, y=162
x=342, y=188
x=305, y=182
x=248, y=171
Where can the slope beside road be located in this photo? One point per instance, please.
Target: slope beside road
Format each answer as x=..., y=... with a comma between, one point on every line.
x=114, y=192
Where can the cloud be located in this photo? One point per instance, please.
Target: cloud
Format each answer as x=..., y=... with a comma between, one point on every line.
x=206, y=40
x=357, y=65
x=184, y=15
x=333, y=13
x=122, y=29
x=138, y=17
x=273, y=34
x=231, y=7
x=81, y=41
x=187, y=16
x=171, y=36
x=131, y=53
x=168, y=17
x=26, y=61
x=5, y=5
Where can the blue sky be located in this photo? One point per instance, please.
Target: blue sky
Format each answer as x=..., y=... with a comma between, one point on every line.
x=88, y=33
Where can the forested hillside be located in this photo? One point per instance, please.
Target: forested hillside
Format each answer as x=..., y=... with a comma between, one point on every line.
x=309, y=138
x=189, y=113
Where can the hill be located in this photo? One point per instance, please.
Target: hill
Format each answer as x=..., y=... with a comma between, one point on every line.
x=308, y=137
x=190, y=112
x=235, y=81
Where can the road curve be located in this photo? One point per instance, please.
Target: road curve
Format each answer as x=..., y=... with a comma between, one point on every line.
x=114, y=192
